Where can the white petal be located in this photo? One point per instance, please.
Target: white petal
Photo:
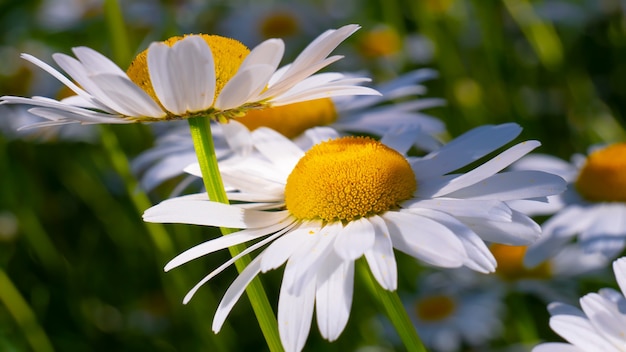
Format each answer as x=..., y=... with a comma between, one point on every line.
x=556, y=347
x=183, y=76
x=333, y=298
x=220, y=243
x=95, y=62
x=480, y=209
x=513, y=185
x=479, y=257
x=521, y=231
x=607, y=233
x=606, y=318
x=235, y=291
x=280, y=250
x=425, y=239
x=238, y=137
x=380, y=256
x=228, y=263
x=302, y=265
x=465, y=149
x=295, y=313
x=186, y=210
x=487, y=169
x=355, y=238
x=246, y=84
x=619, y=267
x=269, y=52
x=129, y=99
x=283, y=153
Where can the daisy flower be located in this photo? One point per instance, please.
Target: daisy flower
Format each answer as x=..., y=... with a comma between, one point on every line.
x=593, y=209
x=450, y=310
x=398, y=105
x=194, y=75
x=555, y=279
x=599, y=326
x=353, y=197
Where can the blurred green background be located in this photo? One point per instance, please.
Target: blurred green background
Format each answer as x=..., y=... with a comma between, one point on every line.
x=80, y=271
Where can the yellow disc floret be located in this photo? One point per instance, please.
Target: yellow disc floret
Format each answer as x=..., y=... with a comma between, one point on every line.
x=228, y=54
x=511, y=264
x=435, y=308
x=293, y=119
x=348, y=178
x=603, y=177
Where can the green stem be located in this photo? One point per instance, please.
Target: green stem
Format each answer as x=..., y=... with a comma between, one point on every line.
x=117, y=31
x=23, y=315
x=394, y=309
x=205, y=150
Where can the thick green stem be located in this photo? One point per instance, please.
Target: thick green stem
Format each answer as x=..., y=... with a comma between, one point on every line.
x=394, y=309
x=203, y=142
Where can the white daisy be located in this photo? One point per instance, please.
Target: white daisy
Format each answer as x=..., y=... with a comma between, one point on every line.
x=350, y=197
x=195, y=75
x=599, y=326
x=375, y=115
x=450, y=310
x=593, y=209
x=555, y=279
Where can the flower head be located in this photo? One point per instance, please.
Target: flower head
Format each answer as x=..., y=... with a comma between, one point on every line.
x=194, y=75
x=599, y=326
x=418, y=206
x=450, y=308
x=593, y=208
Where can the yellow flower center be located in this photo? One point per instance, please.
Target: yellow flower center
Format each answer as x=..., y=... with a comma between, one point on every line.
x=348, y=178
x=228, y=54
x=435, y=308
x=603, y=177
x=279, y=25
x=380, y=42
x=511, y=264
x=293, y=119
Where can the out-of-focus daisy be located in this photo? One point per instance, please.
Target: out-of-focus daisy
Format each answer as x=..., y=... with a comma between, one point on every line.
x=361, y=114
x=350, y=197
x=195, y=75
x=252, y=23
x=593, y=208
x=551, y=280
x=450, y=311
x=599, y=326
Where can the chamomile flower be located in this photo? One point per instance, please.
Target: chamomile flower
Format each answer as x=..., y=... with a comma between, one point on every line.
x=361, y=114
x=350, y=197
x=599, y=326
x=593, y=209
x=555, y=279
x=450, y=311
x=194, y=75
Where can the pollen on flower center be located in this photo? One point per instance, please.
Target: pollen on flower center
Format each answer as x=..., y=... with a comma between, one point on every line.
x=293, y=119
x=603, y=177
x=228, y=54
x=511, y=267
x=348, y=178
x=435, y=308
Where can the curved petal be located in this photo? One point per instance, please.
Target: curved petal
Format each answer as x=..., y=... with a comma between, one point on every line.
x=295, y=313
x=354, y=239
x=333, y=296
x=380, y=256
x=190, y=210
